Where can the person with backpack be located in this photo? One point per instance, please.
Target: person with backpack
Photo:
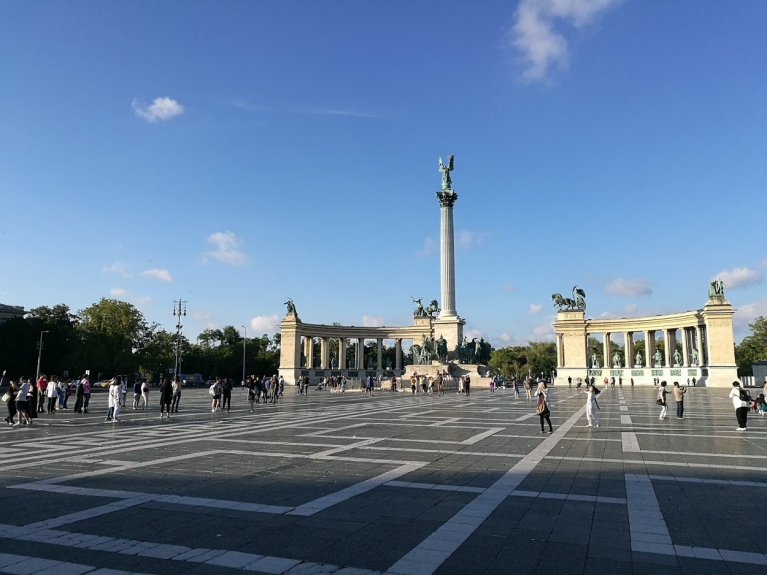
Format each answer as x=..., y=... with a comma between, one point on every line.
x=226, y=395
x=592, y=405
x=543, y=408
x=741, y=401
x=215, y=393
x=662, y=401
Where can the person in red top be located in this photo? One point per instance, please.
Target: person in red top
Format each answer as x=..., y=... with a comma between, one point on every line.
x=42, y=385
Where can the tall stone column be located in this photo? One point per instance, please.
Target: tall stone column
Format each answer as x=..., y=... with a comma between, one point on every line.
x=361, y=353
x=608, y=361
x=669, y=343
x=628, y=349
x=447, y=199
x=649, y=348
x=559, y=351
x=685, y=348
x=342, y=353
x=324, y=353
x=699, y=342
x=310, y=353
x=398, y=354
x=379, y=365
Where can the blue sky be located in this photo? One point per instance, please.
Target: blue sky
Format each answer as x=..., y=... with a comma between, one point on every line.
x=237, y=153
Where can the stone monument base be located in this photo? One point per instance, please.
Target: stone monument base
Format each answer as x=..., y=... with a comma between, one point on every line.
x=704, y=376
x=454, y=369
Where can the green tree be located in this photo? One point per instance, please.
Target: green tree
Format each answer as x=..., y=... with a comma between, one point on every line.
x=753, y=348
x=113, y=335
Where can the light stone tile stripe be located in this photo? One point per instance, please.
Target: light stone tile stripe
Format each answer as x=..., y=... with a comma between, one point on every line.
x=664, y=463
x=480, y=436
x=353, y=490
x=629, y=442
x=217, y=557
x=342, y=448
x=436, y=486
x=570, y=497
x=11, y=563
x=649, y=533
x=708, y=481
x=626, y=420
x=444, y=421
x=426, y=557
x=92, y=512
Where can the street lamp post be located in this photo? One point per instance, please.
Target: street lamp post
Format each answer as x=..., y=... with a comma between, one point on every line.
x=39, y=353
x=244, y=338
x=179, y=310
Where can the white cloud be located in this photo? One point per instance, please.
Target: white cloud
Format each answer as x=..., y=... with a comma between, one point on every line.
x=263, y=323
x=535, y=34
x=117, y=292
x=631, y=308
x=630, y=288
x=534, y=308
x=544, y=332
x=739, y=277
x=763, y=264
x=372, y=321
x=227, y=248
x=160, y=110
x=506, y=338
x=467, y=239
x=117, y=268
x=163, y=275
x=470, y=334
x=429, y=246
x=510, y=288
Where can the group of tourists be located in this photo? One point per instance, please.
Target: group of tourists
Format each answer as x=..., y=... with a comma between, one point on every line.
x=25, y=400
x=429, y=384
x=267, y=388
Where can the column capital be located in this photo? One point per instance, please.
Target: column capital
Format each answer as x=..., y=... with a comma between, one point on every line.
x=446, y=198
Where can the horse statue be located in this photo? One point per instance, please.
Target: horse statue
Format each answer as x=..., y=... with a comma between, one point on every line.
x=431, y=309
x=441, y=345
x=291, y=306
x=577, y=302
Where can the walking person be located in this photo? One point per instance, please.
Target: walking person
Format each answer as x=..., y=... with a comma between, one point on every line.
x=166, y=396
x=226, y=395
x=85, y=384
x=136, y=393
x=516, y=388
x=679, y=397
x=741, y=402
x=11, y=402
x=569, y=381
x=543, y=408
x=176, y=387
x=111, y=400
x=251, y=385
x=467, y=384
x=42, y=387
x=118, y=391
x=440, y=385
x=79, y=398
x=528, y=389
x=215, y=393
x=662, y=401
x=591, y=405
x=52, y=394
x=145, y=393
x=22, y=407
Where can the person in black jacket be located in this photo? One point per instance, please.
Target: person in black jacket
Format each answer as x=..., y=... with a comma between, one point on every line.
x=166, y=396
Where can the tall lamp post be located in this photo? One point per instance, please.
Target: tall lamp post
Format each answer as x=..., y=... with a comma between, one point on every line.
x=244, y=337
x=39, y=354
x=179, y=310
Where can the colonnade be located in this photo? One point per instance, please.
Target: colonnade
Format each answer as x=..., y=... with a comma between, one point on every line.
x=692, y=339
x=359, y=356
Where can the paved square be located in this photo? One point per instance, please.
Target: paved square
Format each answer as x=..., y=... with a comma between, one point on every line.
x=395, y=483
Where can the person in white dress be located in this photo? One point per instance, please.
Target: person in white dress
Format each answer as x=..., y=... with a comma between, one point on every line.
x=592, y=406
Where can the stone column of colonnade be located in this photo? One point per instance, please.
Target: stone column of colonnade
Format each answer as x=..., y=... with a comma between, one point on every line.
x=608, y=360
x=649, y=347
x=342, y=353
x=398, y=354
x=628, y=349
x=361, y=353
x=685, y=347
x=669, y=340
x=380, y=353
x=324, y=353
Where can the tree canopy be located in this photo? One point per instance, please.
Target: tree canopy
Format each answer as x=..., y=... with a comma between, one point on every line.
x=753, y=348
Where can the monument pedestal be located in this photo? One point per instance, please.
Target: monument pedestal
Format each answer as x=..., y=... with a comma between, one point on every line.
x=451, y=328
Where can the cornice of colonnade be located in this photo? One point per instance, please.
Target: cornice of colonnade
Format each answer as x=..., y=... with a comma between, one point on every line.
x=355, y=332
x=566, y=321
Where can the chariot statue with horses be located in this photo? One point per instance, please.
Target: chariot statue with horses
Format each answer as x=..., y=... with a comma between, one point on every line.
x=576, y=303
x=427, y=311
